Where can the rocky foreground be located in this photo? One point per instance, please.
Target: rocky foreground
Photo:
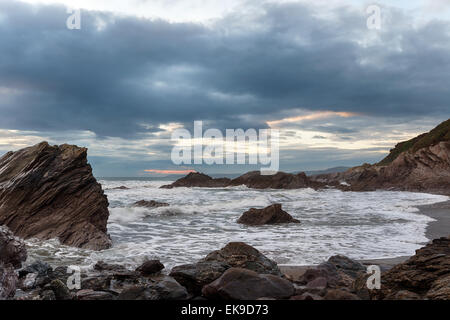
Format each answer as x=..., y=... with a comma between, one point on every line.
x=235, y=272
x=49, y=192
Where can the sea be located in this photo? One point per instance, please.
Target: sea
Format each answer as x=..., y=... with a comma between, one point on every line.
x=360, y=225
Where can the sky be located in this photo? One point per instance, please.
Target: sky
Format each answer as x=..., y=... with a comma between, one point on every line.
x=340, y=93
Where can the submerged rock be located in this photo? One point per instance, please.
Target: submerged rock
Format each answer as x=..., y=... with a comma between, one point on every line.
x=243, y=284
x=49, y=192
x=270, y=215
x=12, y=249
x=150, y=204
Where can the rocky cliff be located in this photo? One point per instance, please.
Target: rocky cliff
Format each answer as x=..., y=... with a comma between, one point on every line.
x=49, y=192
x=419, y=164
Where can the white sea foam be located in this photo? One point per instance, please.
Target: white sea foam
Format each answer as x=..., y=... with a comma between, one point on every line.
x=361, y=225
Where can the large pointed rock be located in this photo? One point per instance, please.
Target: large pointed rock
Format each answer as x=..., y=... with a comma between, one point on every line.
x=49, y=192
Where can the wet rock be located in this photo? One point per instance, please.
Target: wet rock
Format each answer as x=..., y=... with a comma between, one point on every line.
x=348, y=266
x=121, y=188
x=306, y=296
x=243, y=284
x=12, y=249
x=195, y=276
x=36, y=274
x=340, y=294
x=48, y=295
x=94, y=295
x=325, y=271
x=97, y=282
x=254, y=179
x=270, y=215
x=8, y=281
x=111, y=268
x=421, y=273
x=320, y=283
x=49, y=192
x=150, y=267
x=59, y=289
x=440, y=289
x=406, y=295
x=165, y=288
x=280, y=180
x=195, y=179
x=150, y=204
x=242, y=255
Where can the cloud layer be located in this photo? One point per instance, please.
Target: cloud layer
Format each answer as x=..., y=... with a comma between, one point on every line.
x=122, y=77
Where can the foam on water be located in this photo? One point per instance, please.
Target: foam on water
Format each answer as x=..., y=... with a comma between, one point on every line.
x=361, y=225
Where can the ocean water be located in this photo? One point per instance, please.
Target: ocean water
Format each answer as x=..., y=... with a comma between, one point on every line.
x=361, y=225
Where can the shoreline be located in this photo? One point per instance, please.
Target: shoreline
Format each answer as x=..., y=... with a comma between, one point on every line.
x=440, y=212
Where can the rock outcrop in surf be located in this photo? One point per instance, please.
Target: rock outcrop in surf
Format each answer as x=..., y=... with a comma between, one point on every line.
x=49, y=192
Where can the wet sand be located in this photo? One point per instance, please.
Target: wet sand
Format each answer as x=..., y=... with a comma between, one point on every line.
x=435, y=229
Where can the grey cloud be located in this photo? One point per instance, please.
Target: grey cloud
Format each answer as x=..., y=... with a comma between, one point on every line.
x=139, y=71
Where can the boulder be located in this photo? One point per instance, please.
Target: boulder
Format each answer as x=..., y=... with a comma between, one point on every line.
x=195, y=276
x=425, y=274
x=340, y=294
x=49, y=192
x=243, y=284
x=242, y=255
x=165, y=288
x=270, y=215
x=8, y=281
x=323, y=273
x=12, y=249
x=150, y=267
x=150, y=204
x=348, y=266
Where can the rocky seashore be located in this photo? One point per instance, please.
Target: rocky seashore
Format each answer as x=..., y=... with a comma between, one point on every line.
x=253, y=179
x=421, y=164
x=49, y=192
x=235, y=272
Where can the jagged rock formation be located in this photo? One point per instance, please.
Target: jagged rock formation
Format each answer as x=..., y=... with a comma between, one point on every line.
x=425, y=275
x=253, y=179
x=420, y=164
x=49, y=192
x=270, y=215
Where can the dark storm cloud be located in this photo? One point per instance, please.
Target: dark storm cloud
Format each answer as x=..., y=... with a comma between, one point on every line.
x=236, y=73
